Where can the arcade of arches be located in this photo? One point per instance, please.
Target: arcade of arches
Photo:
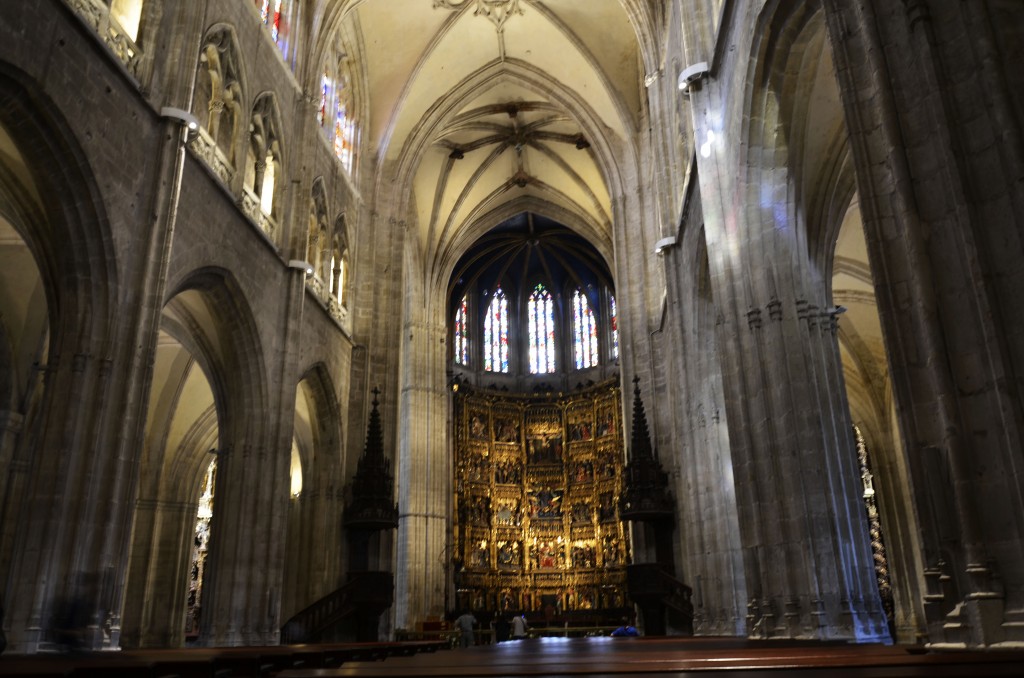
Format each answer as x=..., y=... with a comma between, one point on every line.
x=226, y=224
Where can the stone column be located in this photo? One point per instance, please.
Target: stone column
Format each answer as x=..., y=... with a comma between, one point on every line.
x=10, y=433
x=424, y=469
x=807, y=562
x=930, y=97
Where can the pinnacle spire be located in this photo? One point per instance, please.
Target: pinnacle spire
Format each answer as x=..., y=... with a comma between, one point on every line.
x=646, y=494
x=372, y=505
x=374, y=436
x=640, y=442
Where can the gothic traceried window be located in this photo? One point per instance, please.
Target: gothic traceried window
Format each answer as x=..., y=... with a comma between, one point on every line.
x=584, y=331
x=540, y=312
x=326, y=87
x=614, y=317
x=219, y=94
x=344, y=135
x=530, y=299
x=273, y=13
x=496, y=334
x=461, y=332
x=264, y=157
x=319, y=251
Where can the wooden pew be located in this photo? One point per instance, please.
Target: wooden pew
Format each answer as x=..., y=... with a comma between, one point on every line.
x=637, y=656
x=209, y=662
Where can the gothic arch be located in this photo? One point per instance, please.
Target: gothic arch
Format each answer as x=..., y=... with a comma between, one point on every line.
x=314, y=557
x=26, y=303
x=799, y=153
x=49, y=196
x=317, y=387
x=71, y=242
x=211, y=304
x=231, y=340
x=209, y=378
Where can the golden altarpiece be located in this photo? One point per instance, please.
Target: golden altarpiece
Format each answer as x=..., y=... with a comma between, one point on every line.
x=537, y=486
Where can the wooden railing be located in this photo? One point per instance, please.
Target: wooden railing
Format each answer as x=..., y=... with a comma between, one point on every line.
x=365, y=595
x=657, y=591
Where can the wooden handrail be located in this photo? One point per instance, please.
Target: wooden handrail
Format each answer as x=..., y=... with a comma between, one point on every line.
x=363, y=590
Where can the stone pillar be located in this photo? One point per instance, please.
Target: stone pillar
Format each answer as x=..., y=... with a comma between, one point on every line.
x=162, y=597
x=930, y=94
x=807, y=561
x=12, y=483
x=424, y=470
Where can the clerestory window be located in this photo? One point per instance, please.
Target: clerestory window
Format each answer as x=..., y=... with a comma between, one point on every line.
x=584, y=331
x=496, y=333
x=540, y=312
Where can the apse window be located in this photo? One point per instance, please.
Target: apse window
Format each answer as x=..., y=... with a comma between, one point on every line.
x=496, y=333
x=540, y=311
x=584, y=331
x=614, y=317
x=460, y=332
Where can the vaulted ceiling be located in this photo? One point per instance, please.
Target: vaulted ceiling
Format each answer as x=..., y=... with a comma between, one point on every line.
x=485, y=108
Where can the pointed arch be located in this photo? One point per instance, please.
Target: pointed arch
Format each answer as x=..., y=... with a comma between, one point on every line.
x=69, y=236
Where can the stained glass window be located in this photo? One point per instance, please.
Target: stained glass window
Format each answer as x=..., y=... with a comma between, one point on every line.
x=272, y=14
x=325, y=88
x=584, y=331
x=496, y=334
x=540, y=312
x=614, y=315
x=461, y=333
x=344, y=134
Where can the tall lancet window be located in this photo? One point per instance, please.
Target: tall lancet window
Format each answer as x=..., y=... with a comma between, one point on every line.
x=496, y=334
x=461, y=332
x=326, y=87
x=540, y=313
x=614, y=316
x=344, y=136
x=584, y=331
x=273, y=12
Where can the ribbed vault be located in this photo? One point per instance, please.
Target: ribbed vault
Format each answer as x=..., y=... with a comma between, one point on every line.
x=479, y=104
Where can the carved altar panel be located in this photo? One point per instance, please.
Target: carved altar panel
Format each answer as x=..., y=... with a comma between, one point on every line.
x=537, y=482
